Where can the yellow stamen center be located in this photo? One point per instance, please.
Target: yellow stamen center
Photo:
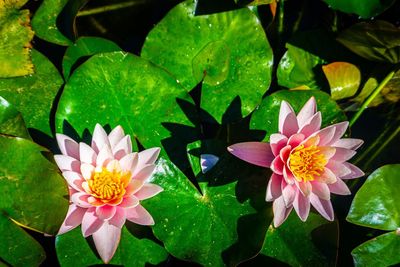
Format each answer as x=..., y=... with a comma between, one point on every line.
x=108, y=186
x=306, y=163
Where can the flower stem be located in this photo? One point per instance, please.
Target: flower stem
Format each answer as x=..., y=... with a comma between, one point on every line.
x=281, y=17
x=372, y=96
x=112, y=7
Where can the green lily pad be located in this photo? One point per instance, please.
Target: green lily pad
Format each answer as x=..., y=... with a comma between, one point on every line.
x=296, y=243
x=224, y=225
x=376, y=41
x=344, y=79
x=205, y=48
x=33, y=95
x=11, y=121
x=126, y=90
x=83, y=47
x=381, y=251
x=17, y=248
x=34, y=193
x=44, y=22
x=365, y=9
x=73, y=249
x=15, y=38
x=381, y=211
x=267, y=114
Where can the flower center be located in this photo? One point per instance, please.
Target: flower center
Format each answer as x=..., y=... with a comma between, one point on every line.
x=107, y=186
x=306, y=163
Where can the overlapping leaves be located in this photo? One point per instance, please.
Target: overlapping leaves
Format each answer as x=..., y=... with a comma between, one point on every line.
x=121, y=89
x=15, y=38
x=206, y=48
x=376, y=205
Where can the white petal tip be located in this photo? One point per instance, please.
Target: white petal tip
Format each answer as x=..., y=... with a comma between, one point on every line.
x=208, y=161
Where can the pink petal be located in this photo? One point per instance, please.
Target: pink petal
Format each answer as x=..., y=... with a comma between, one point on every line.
x=87, y=154
x=274, y=187
x=307, y=111
x=321, y=190
x=288, y=175
x=129, y=202
x=133, y=186
x=280, y=211
x=115, y=136
x=277, y=166
x=100, y=138
x=289, y=193
x=287, y=120
x=74, y=180
x=257, y=153
x=355, y=171
x=312, y=126
x=284, y=153
x=67, y=163
x=106, y=240
x=327, y=177
x=339, y=188
x=348, y=143
x=305, y=187
x=67, y=146
x=81, y=199
x=338, y=168
x=340, y=129
x=87, y=170
x=301, y=205
x=277, y=142
x=327, y=151
x=129, y=162
x=90, y=222
x=148, y=191
x=343, y=154
x=105, y=212
x=104, y=157
x=119, y=218
x=139, y=215
x=149, y=156
x=123, y=147
x=145, y=173
x=72, y=219
x=295, y=140
x=324, y=207
x=325, y=135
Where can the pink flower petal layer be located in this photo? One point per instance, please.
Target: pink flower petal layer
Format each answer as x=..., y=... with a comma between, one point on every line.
x=257, y=153
x=106, y=240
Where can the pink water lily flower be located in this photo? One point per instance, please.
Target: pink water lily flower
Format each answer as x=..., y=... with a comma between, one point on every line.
x=308, y=163
x=106, y=183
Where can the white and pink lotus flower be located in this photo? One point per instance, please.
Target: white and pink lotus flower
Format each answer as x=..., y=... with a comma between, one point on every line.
x=106, y=183
x=308, y=163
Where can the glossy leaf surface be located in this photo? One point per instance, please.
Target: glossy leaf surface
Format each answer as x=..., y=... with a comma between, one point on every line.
x=34, y=193
x=11, y=121
x=85, y=47
x=33, y=95
x=379, y=211
x=44, y=22
x=381, y=251
x=15, y=38
x=209, y=52
x=17, y=248
x=344, y=79
x=132, y=251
